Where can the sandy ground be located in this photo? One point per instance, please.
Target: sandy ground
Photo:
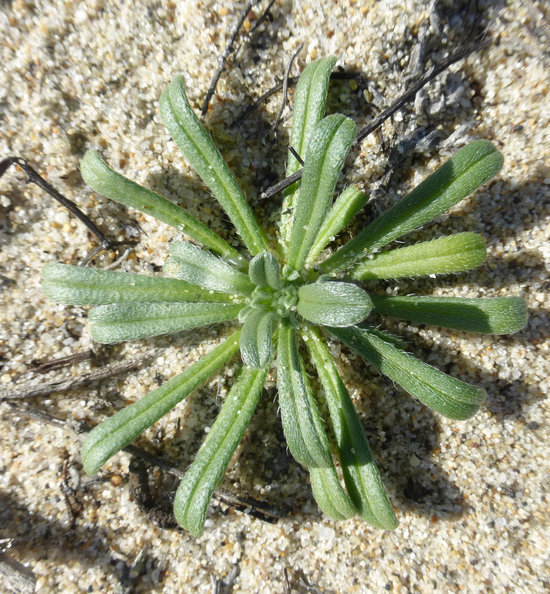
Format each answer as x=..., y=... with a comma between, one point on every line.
x=470, y=496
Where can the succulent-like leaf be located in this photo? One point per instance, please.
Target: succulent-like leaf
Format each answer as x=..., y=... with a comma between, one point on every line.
x=446, y=395
x=264, y=271
x=325, y=156
x=345, y=207
x=115, y=186
x=361, y=475
x=471, y=167
x=130, y=321
x=500, y=315
x=199, y=267
x=206, y=471
x=329, y=493
x=256, y=338
x=333, y=303
x=77, y=285
x=115, y=433
x=309, y=107
x=197, y=146
x=454, y=253
x=302, y=424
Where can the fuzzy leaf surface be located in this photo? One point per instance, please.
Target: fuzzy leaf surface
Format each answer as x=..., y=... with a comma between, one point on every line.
x=115, y=433
x=199, y=267
x=302, y=424
x=325, y=156
x=455, y=253
x=77, y=285
x=445, y=394
x=471, y=167
x=499, y=315
x=206, y=471
x=333, y=303
x=256, y=338
x=117, y=322
x=361, y=475
x=103, y=180
x=198, y=148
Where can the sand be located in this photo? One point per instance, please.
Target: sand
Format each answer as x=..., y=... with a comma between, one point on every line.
x=470, y=496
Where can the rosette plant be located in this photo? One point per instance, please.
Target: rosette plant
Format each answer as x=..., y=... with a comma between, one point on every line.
x=286, y=300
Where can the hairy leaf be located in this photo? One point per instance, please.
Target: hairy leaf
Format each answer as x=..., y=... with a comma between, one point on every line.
x=454, y=253
x=199, y=267
x=206, y=471
x=197, y=146
x=115, y=186
x=77, y=285
x=500, y=315
x=115, y=433
x=130, y=321
x=333, y=303
x=471, y=167
x=446, y=395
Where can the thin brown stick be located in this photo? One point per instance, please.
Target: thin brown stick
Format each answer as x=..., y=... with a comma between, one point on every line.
x=407, y=96
x=85, y=379
x=229, y=49
x=254, y=507
x=285, y=85
x=44, y=366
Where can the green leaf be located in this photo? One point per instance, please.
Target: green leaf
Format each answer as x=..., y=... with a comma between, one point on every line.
x=110, y=184
x=199, y=267
x=199, y=150
x=325, y=156
x=206, y=471
x=345, y=207
x=130, y=321
x=77, y=285
x=454, y=253
x=361, y=475
x=329, y=493
x=471, y=167
x=255, y=342
x=302, y=424
x=264, y=271
x=446, y=395
x=114, y=434
x=501, y=315
x=309, y=107
x=333, y=303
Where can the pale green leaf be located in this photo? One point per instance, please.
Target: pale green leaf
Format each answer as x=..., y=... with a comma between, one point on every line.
x=325, y=156
x=333, y=303
x=361, y=475
x=115, y=186
x=199, y=267
x=109, y=437
x=206, y=471
x=264, y=271
x=471, y=167
x=77, y=285
x=500, y=315
x=131, y=321
x=196, y=145
x=446, y=395
x=455, y=253
x=256, y=338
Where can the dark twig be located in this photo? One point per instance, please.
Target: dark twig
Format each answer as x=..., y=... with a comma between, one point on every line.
x=229, y=49
x=296, y=155
x=265, y=15
x=44, y=366
x=75, y=382
x=257, y=509
x=35, y=178
x=292, y=80
x=285, y=86
x=407, y=96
